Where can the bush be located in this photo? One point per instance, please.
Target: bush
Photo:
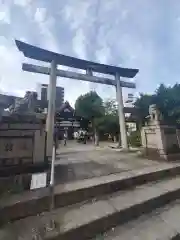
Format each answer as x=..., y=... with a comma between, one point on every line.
x=134, y=139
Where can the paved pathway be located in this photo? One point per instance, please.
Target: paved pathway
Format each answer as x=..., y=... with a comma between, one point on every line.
x=160, y=224
x=79, y=161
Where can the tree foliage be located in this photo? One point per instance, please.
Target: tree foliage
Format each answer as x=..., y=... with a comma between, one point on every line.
x=89, y=106
x=142, y=104
x=110, y=122
x=167, y=100
x=104, y=116
x=110, y=107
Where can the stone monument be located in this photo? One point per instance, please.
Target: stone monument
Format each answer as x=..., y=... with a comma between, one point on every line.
x=22, y=141
x=160, y=140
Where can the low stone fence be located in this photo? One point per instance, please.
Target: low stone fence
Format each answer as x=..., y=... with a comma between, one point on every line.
x=22, y=150
x=161, y=142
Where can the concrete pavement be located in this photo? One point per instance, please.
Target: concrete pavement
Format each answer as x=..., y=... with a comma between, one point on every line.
x=78, y=161
x=97, y=202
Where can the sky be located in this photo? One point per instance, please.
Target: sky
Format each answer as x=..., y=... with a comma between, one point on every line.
x=143, y=34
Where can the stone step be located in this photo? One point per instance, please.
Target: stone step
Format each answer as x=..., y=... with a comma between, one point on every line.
x=34, y=202
x=86, y=220
x=161, y=224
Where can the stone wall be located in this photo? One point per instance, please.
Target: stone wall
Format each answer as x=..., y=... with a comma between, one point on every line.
x=22, y=142
x=161, y=141
x=158, y=139
x=170, y=138
x=22, y=150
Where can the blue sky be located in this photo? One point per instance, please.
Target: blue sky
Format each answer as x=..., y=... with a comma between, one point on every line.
x=142, y=34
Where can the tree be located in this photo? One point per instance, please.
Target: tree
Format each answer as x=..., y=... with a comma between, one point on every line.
x=110, y=107
x=111, y=117
x=90, y=106
x=108, y=124
x=142, y=104
x=167, y=100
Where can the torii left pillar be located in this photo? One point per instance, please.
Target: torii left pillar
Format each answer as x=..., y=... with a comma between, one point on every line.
x=51, y=109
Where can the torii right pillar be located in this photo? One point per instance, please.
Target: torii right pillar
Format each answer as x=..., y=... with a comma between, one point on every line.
x=122, y=123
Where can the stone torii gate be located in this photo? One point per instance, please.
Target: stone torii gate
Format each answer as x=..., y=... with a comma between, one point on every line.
x=55, y=59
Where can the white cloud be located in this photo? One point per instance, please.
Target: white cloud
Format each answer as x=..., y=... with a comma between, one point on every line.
x=12, y=79
x=43, y=22
x=40, y=15
x=14, y=92
x=78, y=16
x=76, y=13
x=22, y=3
x=79, y=44
x=103, y=55
x=141, y=35
x=46, y=24
x=124, y=14
x=11, y=57
x=5, y=15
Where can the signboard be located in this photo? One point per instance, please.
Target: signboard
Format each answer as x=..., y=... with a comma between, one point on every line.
x=38, y=180
x=76, y=124
x=68, y=124
x=66, y=110
x=65, y=124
